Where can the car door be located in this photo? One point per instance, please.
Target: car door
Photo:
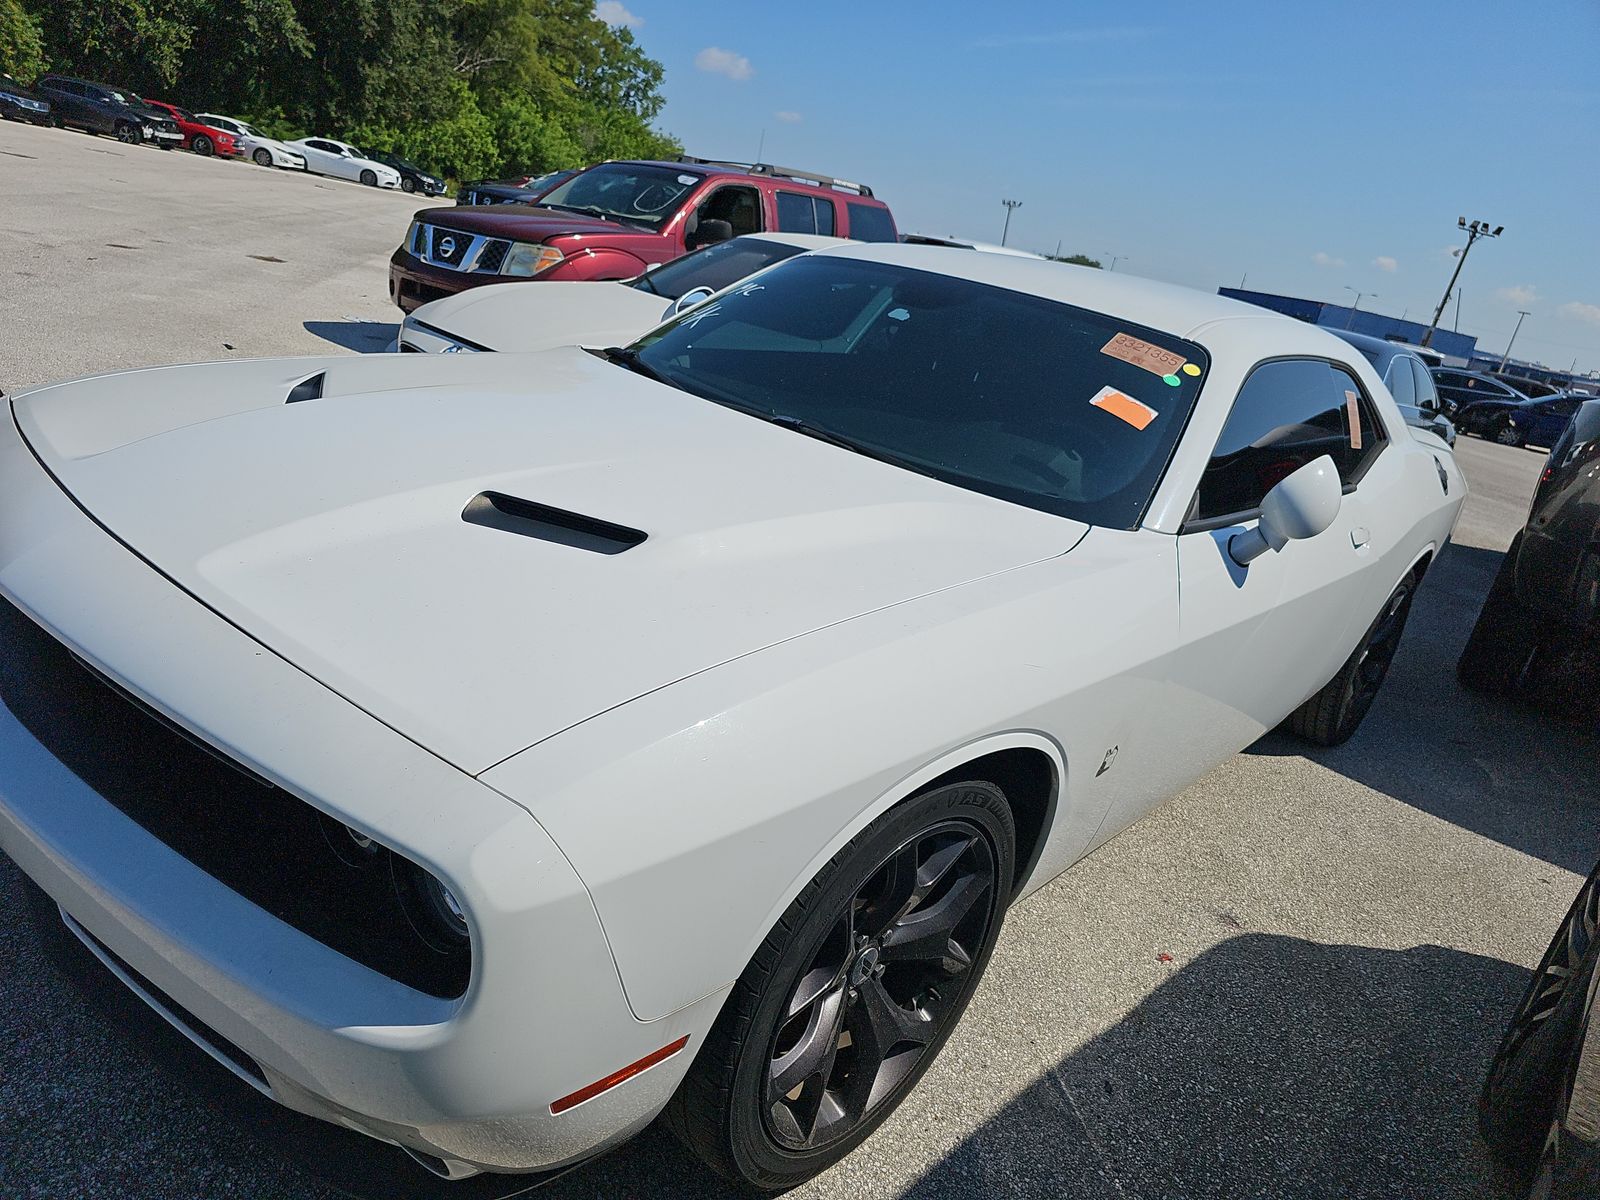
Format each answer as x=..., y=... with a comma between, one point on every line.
x=67, y=98
x=345, y=163
x=1257, y=641
x=320, y=156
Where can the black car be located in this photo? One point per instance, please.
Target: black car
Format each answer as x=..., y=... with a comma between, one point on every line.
x=1538, y=635
x=1540, y=1108
x=17, y=103
x=1408, y=380
x=1459, y=388
x=1520, y=422
x=101, y=108
x=525, y=189
x=412, y=177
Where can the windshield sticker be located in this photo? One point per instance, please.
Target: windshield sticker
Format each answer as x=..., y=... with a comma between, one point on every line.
x=1171, y=380
x=1143, y=354
x=1191, y=369
x=1121, y=405
x=688, y=179
x=696, y=315
x=1352, y=408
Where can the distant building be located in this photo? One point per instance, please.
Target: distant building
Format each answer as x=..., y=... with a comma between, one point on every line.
x=1456, y=347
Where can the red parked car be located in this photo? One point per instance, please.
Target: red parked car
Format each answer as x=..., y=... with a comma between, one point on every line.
x=203, y=139
x=616, y=219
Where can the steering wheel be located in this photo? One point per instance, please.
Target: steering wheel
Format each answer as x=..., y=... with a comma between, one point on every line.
x=639, y=203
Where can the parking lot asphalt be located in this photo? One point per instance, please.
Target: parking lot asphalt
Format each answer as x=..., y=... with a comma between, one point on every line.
x=1286, y=982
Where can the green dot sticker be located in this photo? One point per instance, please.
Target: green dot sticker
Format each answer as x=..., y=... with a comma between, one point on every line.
x=1190, y=369
x=1171, y=380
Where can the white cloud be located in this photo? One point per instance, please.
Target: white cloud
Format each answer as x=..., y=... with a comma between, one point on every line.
x=1579, y=311
x=1385, y=263
x=1064, y=37
x=1323, y=259
x=1523, y=293
x=789, y=118
x=613, y=12
x=717, y=61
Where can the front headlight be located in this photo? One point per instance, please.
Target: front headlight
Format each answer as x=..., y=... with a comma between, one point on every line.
x=528, y=259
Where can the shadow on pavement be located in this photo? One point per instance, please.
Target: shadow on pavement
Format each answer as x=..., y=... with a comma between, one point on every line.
x=364, y=337
x=1272, y=1067
x=1501, y=769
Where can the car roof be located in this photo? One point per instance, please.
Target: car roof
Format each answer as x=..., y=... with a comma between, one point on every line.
x=1164, y=306
x=806, y=241
x=712, y=169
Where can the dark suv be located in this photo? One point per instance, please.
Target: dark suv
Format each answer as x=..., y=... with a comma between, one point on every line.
x=1539, y=632
x=615, y=220
x=101, y=108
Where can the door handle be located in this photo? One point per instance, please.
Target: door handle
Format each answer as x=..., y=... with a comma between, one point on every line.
x=1360, y=536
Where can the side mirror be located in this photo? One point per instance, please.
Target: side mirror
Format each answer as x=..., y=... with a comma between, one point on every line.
x=1299, y=507
x=709, y=232
x=686, y=301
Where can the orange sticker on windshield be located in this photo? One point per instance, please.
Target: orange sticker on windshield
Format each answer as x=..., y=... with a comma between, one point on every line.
x=1119, y=404
x=1145, y=355
x=1352, y=410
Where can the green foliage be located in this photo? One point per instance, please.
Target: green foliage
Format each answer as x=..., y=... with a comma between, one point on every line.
x=1081, y=260
x=463, y=87
x=21, y=47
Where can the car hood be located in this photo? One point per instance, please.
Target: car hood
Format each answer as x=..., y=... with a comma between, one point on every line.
x=522, y=222
x=536, y=316
x=333, y=530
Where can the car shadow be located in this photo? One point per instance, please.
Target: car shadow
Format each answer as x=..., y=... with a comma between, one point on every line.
x=1506, y=770
x=364, y=337
x=1269, y=1066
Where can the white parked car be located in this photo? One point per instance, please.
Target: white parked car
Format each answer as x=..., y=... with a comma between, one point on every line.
x=592, y=313
x=257, y=146
x=489, y=752
x=324, y=156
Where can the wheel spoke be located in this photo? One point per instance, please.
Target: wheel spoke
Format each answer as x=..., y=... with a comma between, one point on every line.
x=929, y=934
x=812, y=1057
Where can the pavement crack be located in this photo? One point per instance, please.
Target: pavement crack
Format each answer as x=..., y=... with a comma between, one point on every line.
x=1107, y=1168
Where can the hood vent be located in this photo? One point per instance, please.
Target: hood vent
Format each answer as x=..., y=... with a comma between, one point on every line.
x=306, y=389
x=511, y=514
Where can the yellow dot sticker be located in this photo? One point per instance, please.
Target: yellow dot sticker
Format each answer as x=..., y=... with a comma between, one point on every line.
x=1190, y=369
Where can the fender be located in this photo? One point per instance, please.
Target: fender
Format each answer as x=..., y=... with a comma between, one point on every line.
x=599, y=263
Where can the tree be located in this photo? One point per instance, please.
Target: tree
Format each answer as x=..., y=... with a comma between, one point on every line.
x=1079, y=260
x=21, y=47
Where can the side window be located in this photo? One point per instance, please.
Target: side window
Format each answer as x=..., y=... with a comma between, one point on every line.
x=1427, y=394
x=1287, y=414
x=824, y=209
x=804, y=214
x=738, y=205
x=1401, y=385
x=869, y=223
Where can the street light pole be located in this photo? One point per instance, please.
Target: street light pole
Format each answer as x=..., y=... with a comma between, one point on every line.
x=1115, y=259
x=1010, y=205
x=1506, y=357
x=1354, y=308
x=1475, y=231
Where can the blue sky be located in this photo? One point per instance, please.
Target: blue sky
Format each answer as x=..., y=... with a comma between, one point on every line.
x=1309, y=147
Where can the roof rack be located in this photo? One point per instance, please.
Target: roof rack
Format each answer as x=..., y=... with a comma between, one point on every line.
x=827, y=181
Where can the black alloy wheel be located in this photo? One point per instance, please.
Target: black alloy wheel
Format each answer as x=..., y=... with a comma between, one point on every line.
x=127, y=134
x=1507, y=433
x=370, y=178
x=1331, y=716
x=201, y=145
x=263, y=156
x=854, y=992
x=407, y=184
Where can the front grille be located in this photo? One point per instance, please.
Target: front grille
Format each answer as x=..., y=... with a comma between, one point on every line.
x=449, y=247
x=492, y=255
x=264, y=843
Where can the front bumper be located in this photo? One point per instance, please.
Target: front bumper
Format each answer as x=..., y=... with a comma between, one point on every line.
x=467, y=1081
x=413, y=283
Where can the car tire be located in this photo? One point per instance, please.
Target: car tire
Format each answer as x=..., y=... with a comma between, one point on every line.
x=407, y=185
x=262, y=156
x=201, y=145
x=1507, y=434
x=1504, y=639
x=127, y=134
x=370, y=178
x=1331, y=716
x=1526, y=1089
x=829, y=968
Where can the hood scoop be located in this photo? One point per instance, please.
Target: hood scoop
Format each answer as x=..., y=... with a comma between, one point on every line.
x=512, y=514
x=307, y=389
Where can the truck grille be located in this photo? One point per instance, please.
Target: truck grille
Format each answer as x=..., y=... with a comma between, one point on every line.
x=269, y=846
x=448, y=247
x=492, y=255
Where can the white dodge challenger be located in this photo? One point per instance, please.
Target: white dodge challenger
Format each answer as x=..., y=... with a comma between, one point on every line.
x=491, y=752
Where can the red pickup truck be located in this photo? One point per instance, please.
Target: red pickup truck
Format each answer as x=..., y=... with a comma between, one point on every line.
x=614, y=220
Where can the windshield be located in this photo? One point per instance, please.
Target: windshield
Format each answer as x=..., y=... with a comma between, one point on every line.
x=715, y=267
x=633, y=192
x=1008, y=394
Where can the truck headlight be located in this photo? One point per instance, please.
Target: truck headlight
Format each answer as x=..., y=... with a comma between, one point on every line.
x=525, y=259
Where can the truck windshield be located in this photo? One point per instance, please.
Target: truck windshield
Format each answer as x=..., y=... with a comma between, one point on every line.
x=995, y=390
x=642, y=194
